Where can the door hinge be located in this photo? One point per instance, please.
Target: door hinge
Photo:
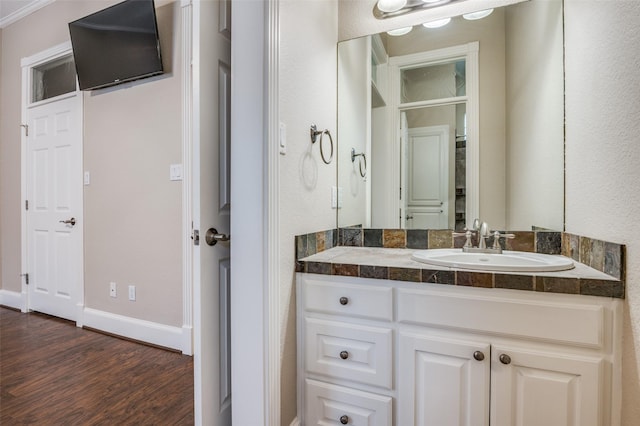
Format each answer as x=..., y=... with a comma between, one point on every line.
x=26, y=278
x=196, y=237
x=26, y=204
x=26, y=129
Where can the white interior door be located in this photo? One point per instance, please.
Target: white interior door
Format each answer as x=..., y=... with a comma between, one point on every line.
x=54, y=207
x=211, y=176
x=427, y=169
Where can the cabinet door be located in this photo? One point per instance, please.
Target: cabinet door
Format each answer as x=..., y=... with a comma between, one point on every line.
x=442, y=382
x=533, y=388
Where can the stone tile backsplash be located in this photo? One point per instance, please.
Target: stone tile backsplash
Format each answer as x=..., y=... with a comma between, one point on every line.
x=603, y=256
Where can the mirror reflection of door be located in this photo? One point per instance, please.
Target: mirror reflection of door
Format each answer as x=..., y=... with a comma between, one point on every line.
x=433, y=129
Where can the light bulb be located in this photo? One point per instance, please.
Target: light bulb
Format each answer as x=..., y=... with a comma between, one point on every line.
x=477, y=15
x=391, y=5
x=437, y=24
x=400, y=31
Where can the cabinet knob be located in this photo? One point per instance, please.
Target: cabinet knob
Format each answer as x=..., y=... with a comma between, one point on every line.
x=505, y=359
x=344, y=300
x=478, y=356
x=344, y=419
x=344, y=354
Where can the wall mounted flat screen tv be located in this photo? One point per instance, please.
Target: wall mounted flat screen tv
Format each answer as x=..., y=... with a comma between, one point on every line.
x=116, y=45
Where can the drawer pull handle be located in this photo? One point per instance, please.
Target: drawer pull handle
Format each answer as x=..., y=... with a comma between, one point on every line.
x=344, y=419
x=344, y=300
x=478, y=356
x=344, y=354
x=505, y=359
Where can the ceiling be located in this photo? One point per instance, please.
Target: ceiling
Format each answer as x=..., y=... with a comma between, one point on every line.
x=12, y=10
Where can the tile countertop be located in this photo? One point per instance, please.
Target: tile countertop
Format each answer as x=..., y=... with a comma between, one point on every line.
x=396, y=264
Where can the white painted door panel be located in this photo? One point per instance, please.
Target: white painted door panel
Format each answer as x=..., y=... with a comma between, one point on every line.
x=440, y=383
x=54, y=195
x=537, y=388
x=427, y=199
x=211, y=175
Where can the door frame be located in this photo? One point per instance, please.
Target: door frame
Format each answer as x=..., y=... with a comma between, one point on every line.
x=27, y=64
x=469, y=52
x=255, y=276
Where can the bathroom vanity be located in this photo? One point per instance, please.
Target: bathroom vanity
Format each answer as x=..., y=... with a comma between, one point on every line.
x=403, y=343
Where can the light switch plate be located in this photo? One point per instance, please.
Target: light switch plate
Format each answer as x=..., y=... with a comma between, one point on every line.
x=175, y=172
x=87, y=178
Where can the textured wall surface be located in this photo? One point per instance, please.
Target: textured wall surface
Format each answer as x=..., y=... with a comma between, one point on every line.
x=602, y=150
x=308, y=39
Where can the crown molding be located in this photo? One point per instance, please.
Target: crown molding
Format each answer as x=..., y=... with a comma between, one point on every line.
x=24, y=12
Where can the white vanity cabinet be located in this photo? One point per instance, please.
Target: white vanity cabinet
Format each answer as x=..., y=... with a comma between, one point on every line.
x=381, y=352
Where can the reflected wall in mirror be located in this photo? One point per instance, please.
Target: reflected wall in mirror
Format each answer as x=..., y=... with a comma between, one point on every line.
x=455, y=123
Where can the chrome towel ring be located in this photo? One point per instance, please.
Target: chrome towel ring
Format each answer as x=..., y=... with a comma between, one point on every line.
x=314, y=132
x=363, y=160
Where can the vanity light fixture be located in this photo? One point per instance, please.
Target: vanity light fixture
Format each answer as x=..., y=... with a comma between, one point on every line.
x=390, y=6
x=400, y=31
x=437, y=24
x=477, y=15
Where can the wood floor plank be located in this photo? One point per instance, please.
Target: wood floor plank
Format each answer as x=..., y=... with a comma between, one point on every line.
x=53, y=373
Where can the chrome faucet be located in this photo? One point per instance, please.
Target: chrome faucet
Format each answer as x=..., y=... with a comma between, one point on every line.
x=481, y=229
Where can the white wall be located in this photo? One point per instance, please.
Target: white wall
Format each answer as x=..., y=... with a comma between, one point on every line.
x=308, y=38
x=602, y=149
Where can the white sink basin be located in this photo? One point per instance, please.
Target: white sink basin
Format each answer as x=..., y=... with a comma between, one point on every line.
x=508, y=261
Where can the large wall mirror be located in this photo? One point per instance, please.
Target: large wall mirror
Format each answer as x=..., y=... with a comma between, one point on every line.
x=442, y=125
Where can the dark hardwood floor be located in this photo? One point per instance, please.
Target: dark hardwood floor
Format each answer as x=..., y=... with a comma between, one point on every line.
x=53, y=373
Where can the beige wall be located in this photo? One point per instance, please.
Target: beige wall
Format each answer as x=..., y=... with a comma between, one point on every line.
x=308, y=38
x=535, y=115
x=131, y=136
x=354, y=106
x=602, y=150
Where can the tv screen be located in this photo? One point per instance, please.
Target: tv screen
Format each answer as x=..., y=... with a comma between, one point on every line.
x=116, y=45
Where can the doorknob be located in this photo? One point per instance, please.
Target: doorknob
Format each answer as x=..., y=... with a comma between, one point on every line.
x=71, y=221
x=212, y=237
x=409, y=217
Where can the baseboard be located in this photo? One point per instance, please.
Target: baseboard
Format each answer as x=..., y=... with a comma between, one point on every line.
x=133, y=328
x=11, y=299
x=295, y=422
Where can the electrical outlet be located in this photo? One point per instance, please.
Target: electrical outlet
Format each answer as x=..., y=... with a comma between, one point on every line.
x=113, y=291
x=132, y=292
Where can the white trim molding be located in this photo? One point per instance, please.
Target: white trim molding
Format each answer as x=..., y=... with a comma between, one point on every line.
x=272, y=249
x=12, y=299
x=187, y=181
x=144, y=331
x=23, y=12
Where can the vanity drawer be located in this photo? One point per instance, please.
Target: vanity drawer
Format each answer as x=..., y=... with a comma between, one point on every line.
x=328, y=404
x=536, y=316
x=373, y=302
x=349, y=352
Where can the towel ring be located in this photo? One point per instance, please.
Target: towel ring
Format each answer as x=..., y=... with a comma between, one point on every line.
x=363, y=160
x=314, y=132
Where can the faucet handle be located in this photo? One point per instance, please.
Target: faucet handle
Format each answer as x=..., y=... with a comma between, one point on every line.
x=496, y=238
x=467, y=233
